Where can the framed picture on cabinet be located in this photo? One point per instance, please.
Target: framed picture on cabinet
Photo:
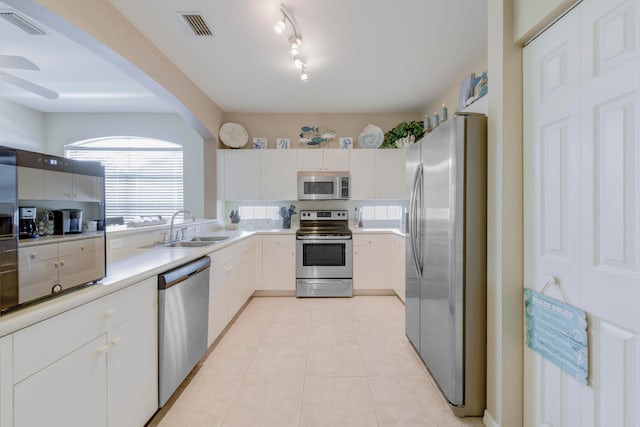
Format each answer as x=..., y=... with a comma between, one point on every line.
x=346, y=142
x=260, y=143
x=282, y=143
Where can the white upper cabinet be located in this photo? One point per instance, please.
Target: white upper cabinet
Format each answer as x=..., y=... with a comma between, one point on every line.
x=279, y=175
x=327, y=159
x=242, y=172
x=389, y=174
x=363, y=174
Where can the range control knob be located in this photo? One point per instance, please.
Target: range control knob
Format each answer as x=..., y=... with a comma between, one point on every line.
x=57, y=288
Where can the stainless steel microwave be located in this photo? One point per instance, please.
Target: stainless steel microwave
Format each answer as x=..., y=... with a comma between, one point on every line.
x=323, y=186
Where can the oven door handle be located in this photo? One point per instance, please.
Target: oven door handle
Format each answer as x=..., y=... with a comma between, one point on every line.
x=323, y=238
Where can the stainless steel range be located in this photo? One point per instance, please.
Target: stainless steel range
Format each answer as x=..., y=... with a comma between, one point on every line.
x=324, y=255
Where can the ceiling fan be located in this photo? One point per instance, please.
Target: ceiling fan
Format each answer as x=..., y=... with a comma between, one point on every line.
x=22, y=63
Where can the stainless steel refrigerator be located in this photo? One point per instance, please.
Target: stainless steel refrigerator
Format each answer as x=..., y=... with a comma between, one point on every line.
x=446, y=262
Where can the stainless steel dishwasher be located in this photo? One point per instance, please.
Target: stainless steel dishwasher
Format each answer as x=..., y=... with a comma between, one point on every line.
x=183, y=308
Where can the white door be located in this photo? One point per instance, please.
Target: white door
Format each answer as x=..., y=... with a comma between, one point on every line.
x=582, y=196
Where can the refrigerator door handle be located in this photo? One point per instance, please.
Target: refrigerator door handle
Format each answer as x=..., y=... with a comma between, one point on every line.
x=420, y=222
x=414, y=219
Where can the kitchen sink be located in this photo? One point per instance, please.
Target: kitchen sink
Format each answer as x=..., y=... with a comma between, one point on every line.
x=189, y=244
x=212, y=239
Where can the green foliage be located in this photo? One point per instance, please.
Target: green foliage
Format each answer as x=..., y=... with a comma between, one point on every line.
x=403, y=130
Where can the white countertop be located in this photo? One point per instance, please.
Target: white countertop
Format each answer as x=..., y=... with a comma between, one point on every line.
x=374, y=230
x=129, y=266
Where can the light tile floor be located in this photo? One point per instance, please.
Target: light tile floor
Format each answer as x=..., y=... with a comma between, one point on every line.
x=312, y=362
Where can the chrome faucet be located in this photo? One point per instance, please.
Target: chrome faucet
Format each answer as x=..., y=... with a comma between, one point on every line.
x=173, y=217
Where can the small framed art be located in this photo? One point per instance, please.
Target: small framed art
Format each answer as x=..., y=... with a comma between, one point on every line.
x=282, y=143
x=260, y=143
x=346, y=142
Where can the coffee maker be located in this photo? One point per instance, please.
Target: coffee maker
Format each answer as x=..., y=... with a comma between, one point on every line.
x=28, y=225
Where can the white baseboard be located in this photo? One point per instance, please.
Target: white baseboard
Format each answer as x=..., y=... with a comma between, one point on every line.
x=488, y=420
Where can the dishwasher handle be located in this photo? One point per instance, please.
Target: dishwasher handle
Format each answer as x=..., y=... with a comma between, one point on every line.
x=182, y=273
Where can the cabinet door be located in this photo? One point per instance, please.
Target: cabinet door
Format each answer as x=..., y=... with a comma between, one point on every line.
x=71, y=392
x=58, y=185
x=242, y=175
x=369, y=262
x=38, y=270
x=395, y=270
x=389, y=176
x=132, y=370
x=217, y=308
x=279, y=175
x=336, y=159
x=220, y=155
x=30, y=183
x=81, y=261
x=363, y=174
x=87, y=188
x=279, y=263
x=310, y=160
x=6, y=381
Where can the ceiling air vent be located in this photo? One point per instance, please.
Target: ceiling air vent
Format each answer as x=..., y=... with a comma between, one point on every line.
x=197, y=24
x=22, y=23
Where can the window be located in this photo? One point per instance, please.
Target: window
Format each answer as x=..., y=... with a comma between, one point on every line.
x=382, y=212
x=142, y=176
x=259, y=212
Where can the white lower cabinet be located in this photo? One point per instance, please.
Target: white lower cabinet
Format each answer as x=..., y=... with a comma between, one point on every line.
x=110, y=379
x=278, y=263
x=396, y=265
x=70, y=392
x=231, y=283
x=369, y=261
x=132, y=375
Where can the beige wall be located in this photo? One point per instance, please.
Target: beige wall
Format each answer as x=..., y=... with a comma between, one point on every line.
x=276, y=125
x=450, y=95
x=504, y=228
x=532, y=16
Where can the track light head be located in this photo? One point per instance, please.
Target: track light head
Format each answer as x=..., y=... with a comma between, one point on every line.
x=295, y=41
x=279, y=27
x=298, y=62
x=303, y=75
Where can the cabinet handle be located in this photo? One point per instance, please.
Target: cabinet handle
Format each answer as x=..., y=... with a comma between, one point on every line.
x=55, y=265
x=115, y=341
x=33, y=255
x=61, y=263
x=82, y=247
x=103, y=349
x=109, y=313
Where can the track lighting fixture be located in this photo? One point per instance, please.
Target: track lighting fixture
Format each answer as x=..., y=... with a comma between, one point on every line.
x=295, y=40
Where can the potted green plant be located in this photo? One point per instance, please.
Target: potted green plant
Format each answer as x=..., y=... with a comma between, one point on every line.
x=403, y=134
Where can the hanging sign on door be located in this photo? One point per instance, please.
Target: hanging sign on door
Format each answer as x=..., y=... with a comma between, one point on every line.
x=558, y=332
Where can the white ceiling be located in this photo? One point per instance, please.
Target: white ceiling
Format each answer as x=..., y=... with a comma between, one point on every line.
x=362, y=56
x=84, y=81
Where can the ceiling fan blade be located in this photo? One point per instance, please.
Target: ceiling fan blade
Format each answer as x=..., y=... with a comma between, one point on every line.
x=20, y=62
x=28, y=86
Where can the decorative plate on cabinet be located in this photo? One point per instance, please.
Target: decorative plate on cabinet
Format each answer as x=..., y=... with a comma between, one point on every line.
x=233, y=135
x=371, y=137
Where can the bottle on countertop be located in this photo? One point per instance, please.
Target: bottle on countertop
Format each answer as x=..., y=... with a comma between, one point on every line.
x=355, y=218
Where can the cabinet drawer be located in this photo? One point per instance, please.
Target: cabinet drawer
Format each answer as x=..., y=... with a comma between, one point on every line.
x=278, y=241
x=43, y=343
x=124, y=304
x=76, y=247
x=369, y=240
x=37, y=253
